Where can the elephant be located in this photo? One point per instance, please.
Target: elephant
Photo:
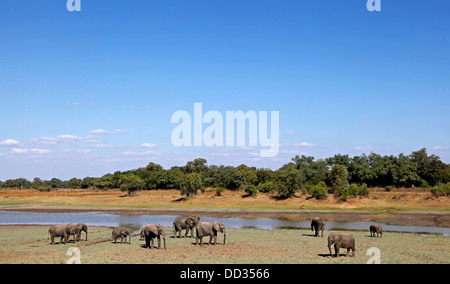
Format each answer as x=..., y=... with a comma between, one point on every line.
x=210, y=229
x=62, y=231
x=185, y=223
x=121, y=233
x=376, y=229
x=318, y=224
x=152, y=231
x=341, y=240
x=78, y=229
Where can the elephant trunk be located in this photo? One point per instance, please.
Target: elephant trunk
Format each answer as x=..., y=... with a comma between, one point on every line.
x=164, y=239
x=224, y=236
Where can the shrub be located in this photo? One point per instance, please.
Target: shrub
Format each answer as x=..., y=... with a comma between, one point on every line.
x=266, y=187
x=441, y=190
x=219, y=190
x=389, y=188
x=319, y=191
x=352, y=191
x=251, y=190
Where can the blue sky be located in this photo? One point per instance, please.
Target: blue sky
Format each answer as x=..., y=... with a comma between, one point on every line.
x=91, y=92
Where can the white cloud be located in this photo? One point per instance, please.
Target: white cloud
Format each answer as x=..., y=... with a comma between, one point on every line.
x=63, y=139
x=306, y=144
x=363, y=149
x=29, y=151
x=441, y=148
x=10, y=143
x=291, y=132
x=139, y=153
x=74, y=104
x=148, y=145
x=77, y=151
x=107, y=132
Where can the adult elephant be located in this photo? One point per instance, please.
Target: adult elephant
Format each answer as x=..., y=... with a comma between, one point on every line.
x=62, y=231
x=318, y=224
x=152, y=231
x=376, y=229
x=121, y=233
x=210, y=229
x=185, y=223
x=341, y=240
x=78, y=229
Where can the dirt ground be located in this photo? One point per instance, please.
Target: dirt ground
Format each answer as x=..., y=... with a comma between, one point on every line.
x=30, y=244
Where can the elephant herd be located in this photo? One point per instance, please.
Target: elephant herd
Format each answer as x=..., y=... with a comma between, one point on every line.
x=203, y=229
x=149, y=233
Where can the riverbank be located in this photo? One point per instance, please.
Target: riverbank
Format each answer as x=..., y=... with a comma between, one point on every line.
x=402, y=207
x=30, y=244
x=429, y=219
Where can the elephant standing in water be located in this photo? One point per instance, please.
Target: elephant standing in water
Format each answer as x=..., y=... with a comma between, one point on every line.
x=318, y=224
x=121, y=233
x=78, y=229
x=62, y=231
x=341, y=240
x=185, y=223
x=210, y=229
x=152, y=231
x=376, y=229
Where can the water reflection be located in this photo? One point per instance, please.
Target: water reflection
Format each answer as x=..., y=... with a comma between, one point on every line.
x=113, y=220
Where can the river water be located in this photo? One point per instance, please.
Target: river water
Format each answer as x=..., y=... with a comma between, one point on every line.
x=114, y=220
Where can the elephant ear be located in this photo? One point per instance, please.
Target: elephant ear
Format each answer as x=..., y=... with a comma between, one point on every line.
x=154, y=230
x=216, y=226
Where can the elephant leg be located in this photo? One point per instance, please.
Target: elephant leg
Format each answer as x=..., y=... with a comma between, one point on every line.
x=348, y=251
x=336, y=249
x=215, y=239
x=186, y=232
x=147, y=241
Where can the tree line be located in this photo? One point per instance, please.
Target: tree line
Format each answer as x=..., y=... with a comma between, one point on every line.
x=341, y=174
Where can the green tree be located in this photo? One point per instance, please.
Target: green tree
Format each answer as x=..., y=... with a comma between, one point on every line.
x=245, y=176
x=190, y=183
x=338, y=176
x=36, y=183
x=131, y=183
x=198, y=165
x=74, y=183
x=289, y=180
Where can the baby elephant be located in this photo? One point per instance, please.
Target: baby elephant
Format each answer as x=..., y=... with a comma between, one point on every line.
x=62, y=231
x=152, y=231
x=376, y=229
x=341, y=240
x=121, y=233
x=210, y=229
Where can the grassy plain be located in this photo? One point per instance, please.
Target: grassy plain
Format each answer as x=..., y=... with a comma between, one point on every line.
x=30, y=244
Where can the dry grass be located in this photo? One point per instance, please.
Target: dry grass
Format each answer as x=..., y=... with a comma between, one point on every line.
x=29, y=244
x=398, y=199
